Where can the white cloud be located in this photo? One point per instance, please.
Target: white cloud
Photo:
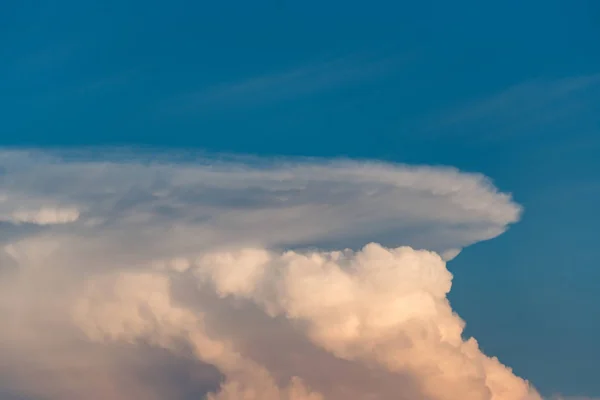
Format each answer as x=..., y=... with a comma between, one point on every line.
x=313, y=203
x=186, y=258
x=45, y=216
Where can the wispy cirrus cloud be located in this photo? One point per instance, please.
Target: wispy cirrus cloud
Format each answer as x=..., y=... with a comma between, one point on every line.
x=283, y=85
x=537, y=107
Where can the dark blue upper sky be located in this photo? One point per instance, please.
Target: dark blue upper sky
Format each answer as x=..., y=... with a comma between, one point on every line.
x=510, y=89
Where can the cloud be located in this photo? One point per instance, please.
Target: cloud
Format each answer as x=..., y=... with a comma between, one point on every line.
x=242, y=278
x=45, y=216
x=284, y=85
x=537, y=107
x=223, y=202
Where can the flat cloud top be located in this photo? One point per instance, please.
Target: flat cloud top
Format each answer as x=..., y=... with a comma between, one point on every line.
x=122, y=277
x=310, y=203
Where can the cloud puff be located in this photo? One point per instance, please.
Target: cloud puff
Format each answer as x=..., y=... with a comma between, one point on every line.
x=45, y=216
x=241, y=279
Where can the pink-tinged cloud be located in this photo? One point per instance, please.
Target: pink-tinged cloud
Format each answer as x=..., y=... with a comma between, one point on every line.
x=173, y=281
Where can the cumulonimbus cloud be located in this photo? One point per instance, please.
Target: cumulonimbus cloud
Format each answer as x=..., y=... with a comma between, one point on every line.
x=241, y=279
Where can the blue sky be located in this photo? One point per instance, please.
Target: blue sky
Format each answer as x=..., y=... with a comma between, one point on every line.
x=510, y=89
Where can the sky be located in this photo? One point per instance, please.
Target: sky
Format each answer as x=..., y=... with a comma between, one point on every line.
x=137, y=132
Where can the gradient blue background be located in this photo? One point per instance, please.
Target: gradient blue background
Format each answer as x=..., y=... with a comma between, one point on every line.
x=510, y=89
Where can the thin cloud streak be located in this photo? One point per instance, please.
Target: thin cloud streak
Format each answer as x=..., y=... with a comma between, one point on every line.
x=284, y=85
x=530, y=108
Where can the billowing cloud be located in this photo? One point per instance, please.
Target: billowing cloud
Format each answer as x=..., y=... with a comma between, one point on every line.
x=240, y=279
